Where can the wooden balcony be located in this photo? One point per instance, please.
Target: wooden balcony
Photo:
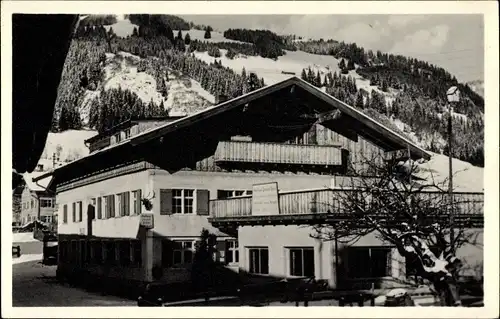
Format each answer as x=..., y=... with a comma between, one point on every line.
x=100, y=144
x=277, y=153
x=299, y=207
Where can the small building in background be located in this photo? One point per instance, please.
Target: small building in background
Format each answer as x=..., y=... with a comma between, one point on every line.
x=38, y=201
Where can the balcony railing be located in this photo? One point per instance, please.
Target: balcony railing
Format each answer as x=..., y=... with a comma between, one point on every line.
x=320, y=201
x=276, y=153
x=100, y=144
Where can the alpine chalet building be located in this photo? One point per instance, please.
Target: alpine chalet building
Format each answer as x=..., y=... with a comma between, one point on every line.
x=142, y=196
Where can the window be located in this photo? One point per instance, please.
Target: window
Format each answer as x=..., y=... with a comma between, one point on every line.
x=232, y=252
x=127, y=133
x=183, y=252
x=65, y=214
x=177, y=252
x=136, y=252
x=124, y=252
x=110, y=251
x=223, y=194
x=137, y=202
x=32, y=203
x=46, y=219
x=259, y=261
x=46, y=203
x=109, y=202
x=301, y=262
x=74, y=212
x=118, y=137
x=182, y=201
x=97, y=252
x=74, y=251
x=369, y=262
x=82, y=250
x=99, y=208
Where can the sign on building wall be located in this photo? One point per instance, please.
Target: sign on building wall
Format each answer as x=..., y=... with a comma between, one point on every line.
x=265, y=199
x=147, y=220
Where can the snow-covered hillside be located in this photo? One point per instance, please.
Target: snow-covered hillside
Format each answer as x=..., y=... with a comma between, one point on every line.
x=200, y=36
x=185, y=96
x=68, y=146
x=123, y=27
x=477, y=86
x=466, y=177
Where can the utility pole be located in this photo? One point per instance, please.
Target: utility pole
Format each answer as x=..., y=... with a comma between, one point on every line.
x=453, y=96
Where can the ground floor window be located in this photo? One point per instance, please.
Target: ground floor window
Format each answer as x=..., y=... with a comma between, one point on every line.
x=124, y=252
x=258, y=260
x=110, y=252
x=232, y=251
x=301, y=261
x=366, y=262
x=63, y=251
x=97, y=252
x=177, y=252
x=136, y=252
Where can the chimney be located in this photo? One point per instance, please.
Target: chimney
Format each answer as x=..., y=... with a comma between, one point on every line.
x=221, y=98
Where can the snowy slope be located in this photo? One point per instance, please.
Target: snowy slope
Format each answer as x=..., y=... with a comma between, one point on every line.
x=271, y=70
x=123, y=27
x=466, y=177
x=185, y=95
x=68, y=146
x=200, y=36
x=477, y=86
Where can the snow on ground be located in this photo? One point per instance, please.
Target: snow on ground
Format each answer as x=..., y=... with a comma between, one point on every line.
x=466, y=177
x=88, y=97
x=123, y=27
x=271, y=70
x=364, y=84
x=200, y=36
x=185, y=95
x=68, y=145
x=23, y=237
x=27, y=258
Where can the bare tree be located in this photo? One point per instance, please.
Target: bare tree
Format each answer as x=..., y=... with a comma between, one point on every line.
x=383, y=196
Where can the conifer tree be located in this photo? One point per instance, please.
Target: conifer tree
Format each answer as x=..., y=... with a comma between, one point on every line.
x=207, y=35
x=359, y=101
x=187, y=39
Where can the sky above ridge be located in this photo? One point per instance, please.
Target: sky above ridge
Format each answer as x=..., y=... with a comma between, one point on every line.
x=454, y=42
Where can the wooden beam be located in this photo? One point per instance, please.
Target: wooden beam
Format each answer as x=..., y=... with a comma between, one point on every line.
x=323, y=117
x=396, y=155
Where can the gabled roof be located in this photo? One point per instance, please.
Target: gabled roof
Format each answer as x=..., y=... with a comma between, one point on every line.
x=41, y=184
x=161, y=130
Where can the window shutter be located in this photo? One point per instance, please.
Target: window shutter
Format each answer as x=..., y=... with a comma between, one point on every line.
x=165, y=201
x=202, y=201
x=65, y=214
x=80, y=211
x=99, y=208
x=139, y=202
x=74, y=212
x=127, y=204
